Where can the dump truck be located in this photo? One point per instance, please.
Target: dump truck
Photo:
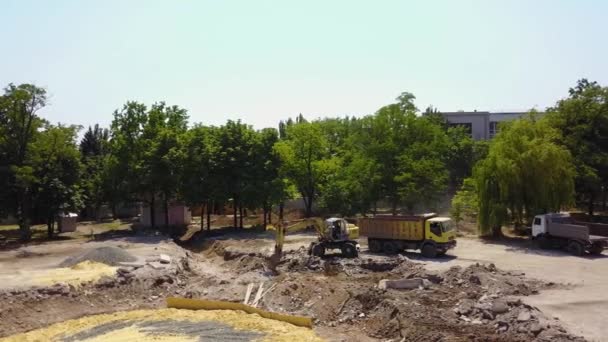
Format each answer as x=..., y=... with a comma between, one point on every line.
x=430, y=234
x=560, y=230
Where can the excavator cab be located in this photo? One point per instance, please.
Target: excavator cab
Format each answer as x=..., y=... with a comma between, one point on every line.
x=336, y=229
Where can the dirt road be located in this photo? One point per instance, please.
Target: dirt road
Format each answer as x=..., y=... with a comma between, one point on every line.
x=583, y=309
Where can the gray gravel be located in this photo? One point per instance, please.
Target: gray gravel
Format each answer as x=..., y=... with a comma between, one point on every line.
x=205, y=330
x=112, y=256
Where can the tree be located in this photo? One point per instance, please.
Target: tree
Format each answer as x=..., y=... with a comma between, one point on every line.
x=94, y=150
x=408, y=151
x=264, y=187
x=124, y=174
x=304, y=160
x=582, y=119
x=465, y=202
x=161, y=163
x=57, y=170
x=234, y=160
x=19, y=125
x=199, y=182
x=525, y=173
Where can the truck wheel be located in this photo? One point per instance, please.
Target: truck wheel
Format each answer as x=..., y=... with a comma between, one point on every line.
x=389, y=247
x=543, y=242
x=429, y=251
x=318, y=250
x=575, y=248
x=596, y=250
x=375, y=246
x=349, y=250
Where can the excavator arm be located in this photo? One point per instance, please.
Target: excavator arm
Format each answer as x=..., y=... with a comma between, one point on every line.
x=282, y=229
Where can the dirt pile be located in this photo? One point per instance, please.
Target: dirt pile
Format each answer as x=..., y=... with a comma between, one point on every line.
x=112, y=256
x=472, y=303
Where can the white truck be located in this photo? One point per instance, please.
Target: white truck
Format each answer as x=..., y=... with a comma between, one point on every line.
x=559, y=230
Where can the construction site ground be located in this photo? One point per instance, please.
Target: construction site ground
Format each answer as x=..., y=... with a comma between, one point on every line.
x=484, y=291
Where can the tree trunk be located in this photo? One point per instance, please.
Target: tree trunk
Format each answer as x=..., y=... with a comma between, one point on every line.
x=152, y=212
x=209, y=215
x=114, y=216
x=265, y=217
x=241, y=216
x=280, y=213
x=497, y=232
x=605, y=198
x=308, y=205
x=202, y=218
x=234, y=207
x=394, y=207
x=591, y=200
x=25, y=233
x=270, y=215
x=49, y=227
x=166, y=209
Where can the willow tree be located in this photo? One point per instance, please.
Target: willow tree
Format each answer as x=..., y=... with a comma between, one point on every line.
x=526, y=172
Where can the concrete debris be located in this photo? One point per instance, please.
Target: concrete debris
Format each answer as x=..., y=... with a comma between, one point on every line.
x=499, y=307
x=404, y=284
x=524, y=316
x=164, y=259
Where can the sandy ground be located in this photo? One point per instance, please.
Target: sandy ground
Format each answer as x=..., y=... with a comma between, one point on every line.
x=583, y=309
x=30, y=266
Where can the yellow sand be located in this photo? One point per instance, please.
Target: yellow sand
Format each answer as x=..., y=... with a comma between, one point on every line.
x=75, y=275
x=274, y=330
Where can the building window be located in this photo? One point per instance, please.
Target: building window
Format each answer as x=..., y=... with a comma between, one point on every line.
x=493, y=129
x=468, y=127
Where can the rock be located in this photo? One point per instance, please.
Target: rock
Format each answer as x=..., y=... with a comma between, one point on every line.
x=164, y=259
x=499, y=307
x=487, y=315
x=465, y=308
x=476, y=321
x=361, y=315
x=157, y=265
x=536, y=329
x=524, y=316
x=474, y=279
x=465, y=318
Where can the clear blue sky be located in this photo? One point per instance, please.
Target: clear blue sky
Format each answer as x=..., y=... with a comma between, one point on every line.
x=262, y=61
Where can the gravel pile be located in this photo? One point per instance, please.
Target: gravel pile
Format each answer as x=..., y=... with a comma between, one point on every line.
x=112, y=256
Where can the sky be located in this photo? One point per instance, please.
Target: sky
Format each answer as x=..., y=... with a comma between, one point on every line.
x=263, y=61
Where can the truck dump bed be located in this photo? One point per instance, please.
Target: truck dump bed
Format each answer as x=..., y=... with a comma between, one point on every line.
x=569, y=231
x=393, y=227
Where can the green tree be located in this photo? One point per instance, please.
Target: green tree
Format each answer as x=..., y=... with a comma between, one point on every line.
x=200, y=175
x=19, y=128
x=234, y=160
x=582, y=119
x=161, y=164
x=124, y=173
x=525, y=173
x=94, y=150
x=304, y=160
x=57, y=170
x=465, y=201
x=408, y=151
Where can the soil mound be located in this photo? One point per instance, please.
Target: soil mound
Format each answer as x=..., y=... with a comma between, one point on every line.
x=112, y=256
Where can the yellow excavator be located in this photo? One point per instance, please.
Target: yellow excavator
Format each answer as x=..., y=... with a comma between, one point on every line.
x=333, y=233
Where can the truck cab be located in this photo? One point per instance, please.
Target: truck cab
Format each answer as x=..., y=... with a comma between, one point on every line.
x=539, y=225
x=440, y=230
